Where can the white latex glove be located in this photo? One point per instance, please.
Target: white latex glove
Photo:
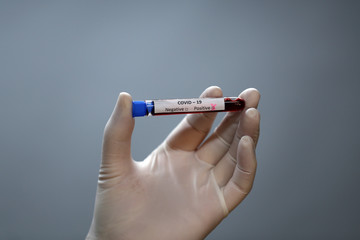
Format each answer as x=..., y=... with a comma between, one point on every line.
x=183, y=189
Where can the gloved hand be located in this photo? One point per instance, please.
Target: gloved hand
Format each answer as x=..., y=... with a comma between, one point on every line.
x=184, y=188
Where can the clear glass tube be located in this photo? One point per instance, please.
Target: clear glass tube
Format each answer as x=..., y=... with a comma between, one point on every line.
x=186, y=106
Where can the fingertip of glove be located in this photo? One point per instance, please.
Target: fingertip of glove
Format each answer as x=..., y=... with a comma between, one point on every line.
x=246, y=140
x=213, y=91
x=125, y=100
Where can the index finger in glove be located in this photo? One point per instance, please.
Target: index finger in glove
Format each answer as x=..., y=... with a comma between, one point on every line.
x=216, y=146
x=192, y=130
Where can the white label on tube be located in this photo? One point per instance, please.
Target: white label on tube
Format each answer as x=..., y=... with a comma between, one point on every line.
x=189, y=105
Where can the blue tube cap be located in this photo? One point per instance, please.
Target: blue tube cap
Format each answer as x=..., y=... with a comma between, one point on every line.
x=139, y=109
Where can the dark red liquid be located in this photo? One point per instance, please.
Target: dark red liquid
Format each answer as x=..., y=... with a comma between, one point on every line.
x=234, y=104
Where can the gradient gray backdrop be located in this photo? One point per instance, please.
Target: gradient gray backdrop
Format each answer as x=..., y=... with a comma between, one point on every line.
x=62, y=66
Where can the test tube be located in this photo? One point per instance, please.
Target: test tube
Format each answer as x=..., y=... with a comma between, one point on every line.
x=185, y=106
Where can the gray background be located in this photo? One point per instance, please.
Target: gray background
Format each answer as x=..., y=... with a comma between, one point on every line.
x=62, y=66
